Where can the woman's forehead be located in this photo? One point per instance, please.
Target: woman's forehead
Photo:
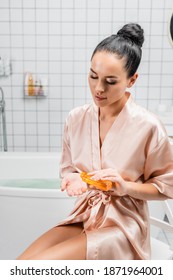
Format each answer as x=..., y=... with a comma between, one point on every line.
x=107, y=64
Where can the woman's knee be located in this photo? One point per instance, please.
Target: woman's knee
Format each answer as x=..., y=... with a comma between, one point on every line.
x=51, y=238
x=73, y=248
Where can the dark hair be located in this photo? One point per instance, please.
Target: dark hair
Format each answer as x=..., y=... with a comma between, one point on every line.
x=126, y=43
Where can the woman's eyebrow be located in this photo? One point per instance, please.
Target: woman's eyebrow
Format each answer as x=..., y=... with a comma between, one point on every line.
x=92, y=71
x=111, y=76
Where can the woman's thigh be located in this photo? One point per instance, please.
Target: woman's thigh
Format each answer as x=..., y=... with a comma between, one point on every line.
x=51, y=238
x=70, y=249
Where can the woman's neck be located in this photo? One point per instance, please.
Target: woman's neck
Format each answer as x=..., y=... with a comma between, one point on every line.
x=111, y=111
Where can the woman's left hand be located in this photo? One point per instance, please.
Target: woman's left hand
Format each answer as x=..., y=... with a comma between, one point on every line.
x=120, y=185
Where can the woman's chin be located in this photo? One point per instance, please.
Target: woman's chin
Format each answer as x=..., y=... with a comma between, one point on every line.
x=100, y=103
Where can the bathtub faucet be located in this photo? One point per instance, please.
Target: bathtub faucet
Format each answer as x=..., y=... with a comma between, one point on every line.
x=2, y=110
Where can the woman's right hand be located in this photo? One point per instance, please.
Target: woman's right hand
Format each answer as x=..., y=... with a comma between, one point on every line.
x=73, y=184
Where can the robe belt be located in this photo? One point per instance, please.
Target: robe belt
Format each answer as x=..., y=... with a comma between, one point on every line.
x=96, y=200
x=99, y=196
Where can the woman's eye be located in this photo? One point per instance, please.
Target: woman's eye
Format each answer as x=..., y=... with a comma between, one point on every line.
x=111, y=82
x=93, y=77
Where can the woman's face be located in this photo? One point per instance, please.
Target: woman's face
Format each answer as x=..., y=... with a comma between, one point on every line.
x=108, y=79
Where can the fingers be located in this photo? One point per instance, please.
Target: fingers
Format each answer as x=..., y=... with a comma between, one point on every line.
x=92, y=173
x=102, y=174
x=75, y=190
x=114, y=178
x=73, y=185
x=84, y=188
x=64, y=184
x=91, y=187
x=70, y=178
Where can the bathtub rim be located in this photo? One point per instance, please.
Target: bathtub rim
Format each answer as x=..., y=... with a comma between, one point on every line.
x=33, y=193
x=29, y=154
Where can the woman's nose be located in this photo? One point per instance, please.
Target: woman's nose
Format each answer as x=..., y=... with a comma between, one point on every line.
x=99, y=88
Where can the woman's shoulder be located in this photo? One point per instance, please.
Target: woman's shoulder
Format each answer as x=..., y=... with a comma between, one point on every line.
x=80, y=109
x=143, y=117
x=149, y=116
x=79, y=112
x=150, y=121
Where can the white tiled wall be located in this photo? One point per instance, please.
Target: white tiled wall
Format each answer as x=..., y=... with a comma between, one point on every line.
x=55, y=39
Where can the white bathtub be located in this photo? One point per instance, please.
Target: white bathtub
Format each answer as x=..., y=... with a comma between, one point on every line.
x=27, y=212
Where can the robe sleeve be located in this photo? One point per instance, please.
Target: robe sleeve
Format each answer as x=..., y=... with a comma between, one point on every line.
x=159, y=167
x=66, y=165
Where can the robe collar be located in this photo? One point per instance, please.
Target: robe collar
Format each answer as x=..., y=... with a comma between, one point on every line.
x=97, y=151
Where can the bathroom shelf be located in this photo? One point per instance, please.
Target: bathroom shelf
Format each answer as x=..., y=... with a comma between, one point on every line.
x=35, y=96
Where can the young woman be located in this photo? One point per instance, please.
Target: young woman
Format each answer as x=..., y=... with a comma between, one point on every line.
x=112, y=139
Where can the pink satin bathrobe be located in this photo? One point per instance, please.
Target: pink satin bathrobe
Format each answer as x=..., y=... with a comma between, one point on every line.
x=138, y=147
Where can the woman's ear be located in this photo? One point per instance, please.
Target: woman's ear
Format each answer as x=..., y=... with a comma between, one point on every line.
x=132, y=80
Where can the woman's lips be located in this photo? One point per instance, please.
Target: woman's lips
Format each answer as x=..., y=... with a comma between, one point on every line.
x=99, y=98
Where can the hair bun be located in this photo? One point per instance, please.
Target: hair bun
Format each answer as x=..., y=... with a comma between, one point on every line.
x=134, y=32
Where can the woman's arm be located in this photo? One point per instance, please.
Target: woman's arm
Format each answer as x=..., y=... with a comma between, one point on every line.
x=71, y=180
x=143, y=191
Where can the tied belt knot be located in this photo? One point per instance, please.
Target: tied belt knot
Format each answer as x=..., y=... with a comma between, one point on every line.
x=99, y=196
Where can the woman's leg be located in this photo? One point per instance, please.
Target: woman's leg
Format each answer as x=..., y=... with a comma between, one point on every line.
x=71, y=249
x=51, y=238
